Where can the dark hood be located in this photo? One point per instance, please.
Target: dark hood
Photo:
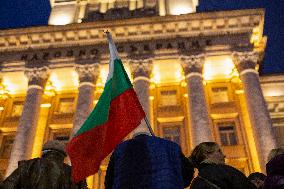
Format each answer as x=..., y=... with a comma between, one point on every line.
x=276, y=165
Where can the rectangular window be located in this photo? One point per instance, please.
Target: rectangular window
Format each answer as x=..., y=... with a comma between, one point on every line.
x=227, y=134
x=6, y=146
x=172, y=133
x=279, y=107
x=60, y=134
x=219, y=95
x=17, y=109
x=168, y=98
x=66, y=105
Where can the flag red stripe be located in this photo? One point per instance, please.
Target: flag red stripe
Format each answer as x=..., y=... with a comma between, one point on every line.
x=88, y=149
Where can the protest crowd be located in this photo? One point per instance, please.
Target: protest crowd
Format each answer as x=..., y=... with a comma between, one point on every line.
x=144, y=161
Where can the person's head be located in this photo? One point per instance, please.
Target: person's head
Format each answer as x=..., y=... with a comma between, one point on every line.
x=275, y=152
x=209, y=152
x=55, y=149
x=257, y=179
x=141, y=129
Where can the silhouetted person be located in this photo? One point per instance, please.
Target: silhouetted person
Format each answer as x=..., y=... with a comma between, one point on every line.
x=47, y=172
x=257, y=179
x=148, y=162
x=213, y=173
x=275, y=170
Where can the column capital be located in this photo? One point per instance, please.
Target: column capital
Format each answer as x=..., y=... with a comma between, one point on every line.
x=141, y=67
x=192, y=63
x=246, y=60
x=37, y=76
x=87, y=73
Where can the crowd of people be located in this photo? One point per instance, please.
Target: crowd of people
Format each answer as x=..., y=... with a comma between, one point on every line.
x=149, y=162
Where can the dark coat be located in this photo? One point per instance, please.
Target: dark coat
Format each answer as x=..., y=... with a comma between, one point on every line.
x=224, y=176
x=275, y=173
x=147, y=162
x=41, y=173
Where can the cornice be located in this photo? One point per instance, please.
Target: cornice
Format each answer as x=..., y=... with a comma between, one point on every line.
x=190, y=25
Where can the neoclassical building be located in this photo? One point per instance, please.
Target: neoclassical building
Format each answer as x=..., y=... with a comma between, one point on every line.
x=196, y=75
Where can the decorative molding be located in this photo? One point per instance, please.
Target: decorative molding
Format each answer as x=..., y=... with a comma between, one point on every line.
x=197, y=61
x=170, y=119
x=144, y=78
x=141, y=67
x=35, y=87
x=244, y=57
x=189, y=25
x=249, y=71
x=224, y=116
x=193, y=74
x=87, y=70
x=37, y=72
x=86, y=84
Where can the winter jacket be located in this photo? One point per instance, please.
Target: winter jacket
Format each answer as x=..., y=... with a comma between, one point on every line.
x=223, y=176
x=275, y=173
x=148, y=162
x=41, y=173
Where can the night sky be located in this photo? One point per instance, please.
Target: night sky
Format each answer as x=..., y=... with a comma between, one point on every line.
x=25, y=13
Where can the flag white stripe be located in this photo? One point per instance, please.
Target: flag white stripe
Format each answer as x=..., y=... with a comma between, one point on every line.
x=113, y=55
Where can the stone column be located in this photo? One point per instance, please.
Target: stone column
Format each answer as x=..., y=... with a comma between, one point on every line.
x=141, y=70
x=88, y=74
x=198, y=113
x=23, y=144
x=257, y=109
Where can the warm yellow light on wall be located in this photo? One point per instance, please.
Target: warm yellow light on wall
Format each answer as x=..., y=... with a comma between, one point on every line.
x=256, y=36
x=177, y=7
x=156, y=76
x=273, y=92
x=178, y=74
x=103, y=74
x=14, y=82
x=95, y=102
x=49, y=89
x=75, y=78
x=165, y=71
x=46, y=105
x=127, y=69
x=55, y=82
x=10, y=86
x=219, y=67
x=62, y=14
x=177, y=10
x=1, y=108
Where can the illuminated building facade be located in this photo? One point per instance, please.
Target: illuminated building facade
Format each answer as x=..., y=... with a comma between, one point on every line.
x=196, y=76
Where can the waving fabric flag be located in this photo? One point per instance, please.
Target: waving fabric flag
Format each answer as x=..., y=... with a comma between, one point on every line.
x=116, y=114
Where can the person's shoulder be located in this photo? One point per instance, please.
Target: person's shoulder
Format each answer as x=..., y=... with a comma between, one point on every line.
x=232, y=170
x=30, y=161
x=124, y=143
x=166, y=142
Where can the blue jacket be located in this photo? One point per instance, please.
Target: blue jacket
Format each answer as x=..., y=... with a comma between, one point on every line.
x=148, y=162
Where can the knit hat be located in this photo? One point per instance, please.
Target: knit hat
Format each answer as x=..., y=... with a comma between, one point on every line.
x=56, y=145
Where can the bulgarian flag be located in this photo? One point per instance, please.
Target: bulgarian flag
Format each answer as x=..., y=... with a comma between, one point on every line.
x=116, y=114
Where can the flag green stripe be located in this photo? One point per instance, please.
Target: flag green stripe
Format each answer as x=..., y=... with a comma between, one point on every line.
x=114, y=87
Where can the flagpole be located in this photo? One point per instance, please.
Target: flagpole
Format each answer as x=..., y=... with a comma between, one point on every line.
x=149, y=126
x=145, y=118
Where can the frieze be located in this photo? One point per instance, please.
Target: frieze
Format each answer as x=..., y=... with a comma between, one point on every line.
x=182, y=45
x=189, y=25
